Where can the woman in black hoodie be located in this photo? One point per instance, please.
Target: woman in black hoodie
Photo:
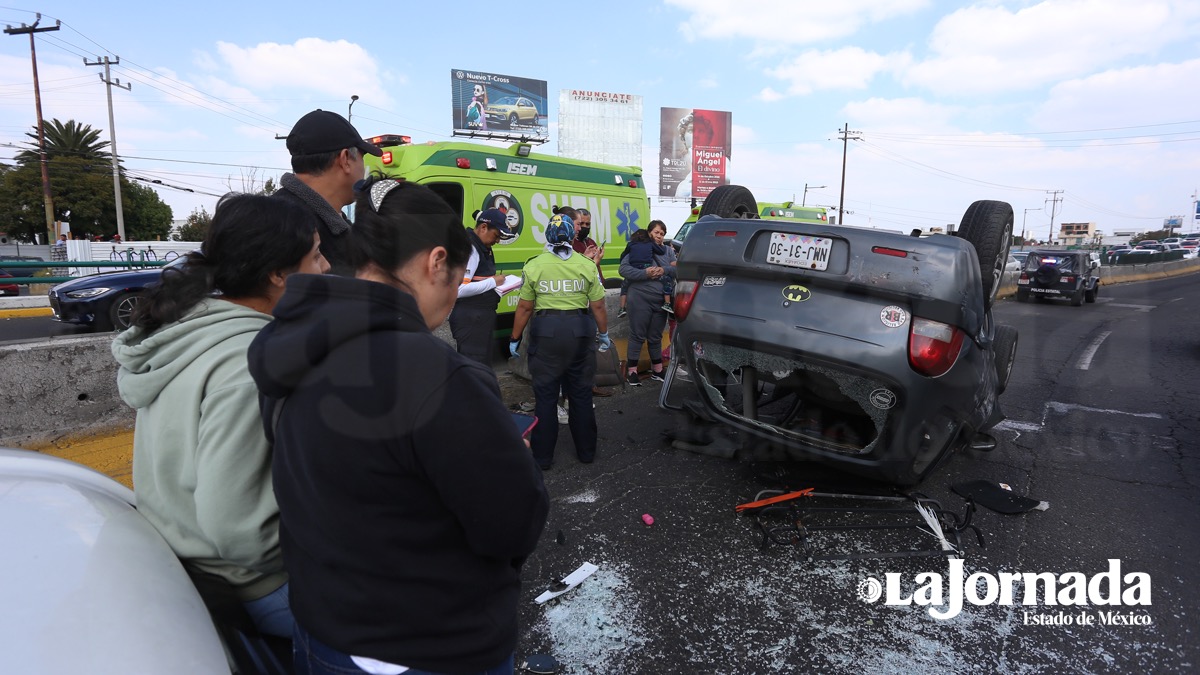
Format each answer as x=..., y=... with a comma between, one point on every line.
x=408, y=499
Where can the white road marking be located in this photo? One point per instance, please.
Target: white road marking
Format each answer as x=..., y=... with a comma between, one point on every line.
x=1062, y=409
x=1140, y=308
x=1085, y=359
x=1014, y=425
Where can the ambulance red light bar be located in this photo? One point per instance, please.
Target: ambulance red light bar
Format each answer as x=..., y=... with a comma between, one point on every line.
x=386, y=157
x=390, y=139
x=462, y=163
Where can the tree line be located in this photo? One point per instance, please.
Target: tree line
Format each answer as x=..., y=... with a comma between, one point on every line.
x=80, y=169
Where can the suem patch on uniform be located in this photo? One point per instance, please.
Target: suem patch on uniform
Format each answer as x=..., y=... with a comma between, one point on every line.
x=893, y=316
x=796, y=293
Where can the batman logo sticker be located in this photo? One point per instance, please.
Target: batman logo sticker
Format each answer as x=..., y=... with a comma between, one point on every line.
x=796, y=293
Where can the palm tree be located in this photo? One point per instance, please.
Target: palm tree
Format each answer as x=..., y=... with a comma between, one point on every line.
x=66, y=140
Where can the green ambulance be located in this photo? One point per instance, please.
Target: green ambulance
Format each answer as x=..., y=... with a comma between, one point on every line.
x=526, y=186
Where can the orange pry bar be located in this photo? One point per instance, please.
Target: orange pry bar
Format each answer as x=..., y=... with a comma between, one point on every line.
x=773, y=500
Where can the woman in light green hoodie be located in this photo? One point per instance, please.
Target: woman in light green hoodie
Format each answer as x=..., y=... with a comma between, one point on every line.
x=201, y=461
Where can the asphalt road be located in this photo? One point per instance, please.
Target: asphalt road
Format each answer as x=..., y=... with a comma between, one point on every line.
x=35, y=328
x=1102, y=425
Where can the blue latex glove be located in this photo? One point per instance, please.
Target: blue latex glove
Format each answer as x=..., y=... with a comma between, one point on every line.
x=605, y=342
x=512, y=347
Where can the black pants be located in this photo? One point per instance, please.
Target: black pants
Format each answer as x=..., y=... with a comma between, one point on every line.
x=560, y=359
x=473, y=328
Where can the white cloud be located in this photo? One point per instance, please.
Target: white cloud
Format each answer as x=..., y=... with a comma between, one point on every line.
x=902, y=115
x=987, y=49
x=1157, y=93
x=337, y=68
x=786, y=21
x=708, y=83
x=847, y=68
x=769, y=95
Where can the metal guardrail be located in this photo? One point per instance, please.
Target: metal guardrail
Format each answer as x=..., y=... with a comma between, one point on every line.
x=63, y=264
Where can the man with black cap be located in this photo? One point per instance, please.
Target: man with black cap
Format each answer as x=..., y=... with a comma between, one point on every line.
x=474, y=317
x=327, y=160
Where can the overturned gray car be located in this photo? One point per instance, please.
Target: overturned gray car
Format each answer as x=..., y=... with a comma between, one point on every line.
x=872, y=352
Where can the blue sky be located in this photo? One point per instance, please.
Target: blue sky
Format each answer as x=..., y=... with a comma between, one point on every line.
x=954, y=101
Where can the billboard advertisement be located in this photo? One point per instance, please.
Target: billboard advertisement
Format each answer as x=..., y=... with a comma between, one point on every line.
x=694, y=150
x=488, y=105
x=600, y=126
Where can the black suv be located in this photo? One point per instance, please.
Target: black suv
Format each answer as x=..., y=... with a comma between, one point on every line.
x=1060, y=274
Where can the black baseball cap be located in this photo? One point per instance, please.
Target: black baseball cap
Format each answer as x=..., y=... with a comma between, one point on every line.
x=498, y=221
x=321, y=131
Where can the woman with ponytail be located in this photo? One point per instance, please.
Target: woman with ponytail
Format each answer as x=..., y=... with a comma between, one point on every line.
x=201, y=460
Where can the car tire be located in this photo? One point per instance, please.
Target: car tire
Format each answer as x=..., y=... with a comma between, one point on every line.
x=120, y=313
x=1022, y=296
x=513, y=120
x=1090, y=294
x=988, y=225
x=1004, y=346
x=730, y=201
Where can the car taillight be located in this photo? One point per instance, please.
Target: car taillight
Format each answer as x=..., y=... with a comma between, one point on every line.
x=933, y=346
x=1068, y=279
x=1024, y=276
x=685, y=293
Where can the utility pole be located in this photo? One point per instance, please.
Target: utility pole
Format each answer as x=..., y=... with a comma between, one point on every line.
x=106, y=78
x=350, y=109
x=1054, y=200
x=1025, y=239
x=846, y=135
x=37, y=98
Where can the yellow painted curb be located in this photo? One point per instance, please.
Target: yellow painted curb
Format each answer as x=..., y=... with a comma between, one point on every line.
x=23, y=313
x=109, y=453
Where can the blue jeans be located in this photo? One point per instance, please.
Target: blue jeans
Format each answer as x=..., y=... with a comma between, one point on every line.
x=271, y=613
x=312, y=657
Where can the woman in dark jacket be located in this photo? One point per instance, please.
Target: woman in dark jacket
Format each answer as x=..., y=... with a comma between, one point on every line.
x=644, y=302
x=403, y=528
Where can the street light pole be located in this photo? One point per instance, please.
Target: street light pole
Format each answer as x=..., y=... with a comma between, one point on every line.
x=350, y=110
x=804, y=199
x=1023, y=231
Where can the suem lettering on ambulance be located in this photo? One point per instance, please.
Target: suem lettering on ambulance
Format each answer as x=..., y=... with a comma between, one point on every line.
x=526, y=186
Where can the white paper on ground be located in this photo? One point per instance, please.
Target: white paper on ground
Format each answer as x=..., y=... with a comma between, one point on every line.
x=571, y=580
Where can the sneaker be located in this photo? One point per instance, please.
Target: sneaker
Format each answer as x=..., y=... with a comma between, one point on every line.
x=621, y=314
x=657, y=377
x=632, y=379
x=668, y=308
x=563, y=416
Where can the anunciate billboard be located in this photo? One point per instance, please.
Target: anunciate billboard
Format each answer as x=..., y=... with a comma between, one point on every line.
x=600, y=126
x=488, y=105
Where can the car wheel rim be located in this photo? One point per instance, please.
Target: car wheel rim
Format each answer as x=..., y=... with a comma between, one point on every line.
x=1001, y=263
x=125, y=311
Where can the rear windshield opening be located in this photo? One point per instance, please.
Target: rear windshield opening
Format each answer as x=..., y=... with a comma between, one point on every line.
x=794, y=399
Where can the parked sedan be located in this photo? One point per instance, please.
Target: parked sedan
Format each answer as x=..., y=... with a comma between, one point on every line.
x=105, y=301
x=8, y=289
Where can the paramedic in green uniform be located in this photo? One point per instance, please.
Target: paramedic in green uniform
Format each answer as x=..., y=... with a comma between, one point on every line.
x=563, y=295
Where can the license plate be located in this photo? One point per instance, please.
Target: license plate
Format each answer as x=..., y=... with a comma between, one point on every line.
x=798, y=250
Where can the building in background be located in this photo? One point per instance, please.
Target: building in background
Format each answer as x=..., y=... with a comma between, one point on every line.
x=599, y=126
x=1077, y=234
